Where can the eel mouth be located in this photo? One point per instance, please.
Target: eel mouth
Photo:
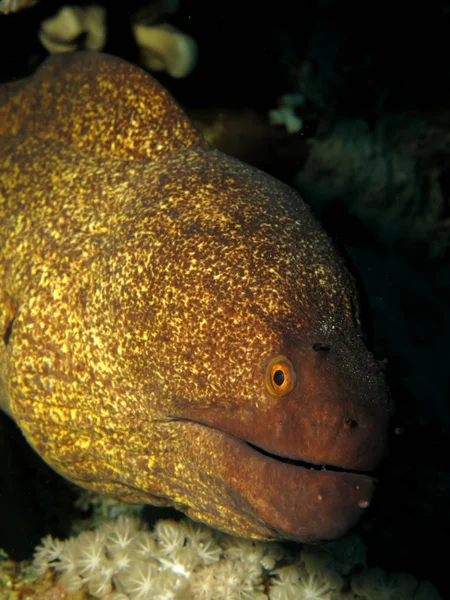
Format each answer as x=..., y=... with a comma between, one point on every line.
x=280, y=458
x=276, y=497
x=307, y=465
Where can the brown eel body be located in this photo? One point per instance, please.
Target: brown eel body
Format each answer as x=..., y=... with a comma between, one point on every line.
x=176, y=327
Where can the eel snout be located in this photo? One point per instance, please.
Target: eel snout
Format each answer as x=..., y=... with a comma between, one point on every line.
x=298, y=501
x=286, y=498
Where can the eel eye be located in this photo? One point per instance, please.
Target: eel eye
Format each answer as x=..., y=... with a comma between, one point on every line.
x=280, y=376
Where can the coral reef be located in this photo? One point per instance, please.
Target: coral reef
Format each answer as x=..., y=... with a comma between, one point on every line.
x=165, y=48
x=11, y=6
x=72, y=27
x=285, y=114
x=390, y=176
x=123, y=560
x=161, y=47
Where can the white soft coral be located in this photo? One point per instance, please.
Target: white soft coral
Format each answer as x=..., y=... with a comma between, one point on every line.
x=376, y=584
x=187, y=561
x=289, y=585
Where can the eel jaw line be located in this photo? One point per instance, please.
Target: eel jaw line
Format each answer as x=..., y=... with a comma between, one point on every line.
x=277, y=457
x=286, y=498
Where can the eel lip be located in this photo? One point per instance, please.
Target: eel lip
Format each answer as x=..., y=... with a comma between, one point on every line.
x=300, y=501
x=281, y=498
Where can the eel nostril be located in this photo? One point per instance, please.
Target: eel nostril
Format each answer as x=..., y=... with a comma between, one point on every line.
x=320, y=347
x=350, y=423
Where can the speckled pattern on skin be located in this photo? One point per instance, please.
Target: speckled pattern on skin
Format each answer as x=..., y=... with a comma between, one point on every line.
x=146, y=281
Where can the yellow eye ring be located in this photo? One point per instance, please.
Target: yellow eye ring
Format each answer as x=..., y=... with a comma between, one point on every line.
x=280, y=376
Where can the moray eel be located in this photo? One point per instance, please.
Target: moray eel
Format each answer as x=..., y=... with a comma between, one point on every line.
x=177, y=329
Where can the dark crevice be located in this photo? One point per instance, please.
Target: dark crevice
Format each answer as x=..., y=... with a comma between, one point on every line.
x=8, y=332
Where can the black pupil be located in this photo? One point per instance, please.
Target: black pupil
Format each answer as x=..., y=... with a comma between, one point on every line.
x=278, y=377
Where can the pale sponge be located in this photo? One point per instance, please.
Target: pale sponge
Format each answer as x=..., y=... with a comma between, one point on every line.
x=161, y=47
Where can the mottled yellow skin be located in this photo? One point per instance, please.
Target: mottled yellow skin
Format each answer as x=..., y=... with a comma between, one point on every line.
x=146, y=281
